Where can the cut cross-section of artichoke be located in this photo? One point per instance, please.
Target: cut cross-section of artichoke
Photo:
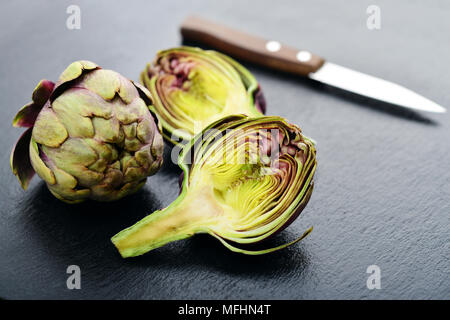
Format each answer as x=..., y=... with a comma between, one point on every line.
x=192, y=88
x=245, y=179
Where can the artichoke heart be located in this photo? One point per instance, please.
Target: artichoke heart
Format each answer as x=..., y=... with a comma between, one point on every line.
x=192, y=88
x=90, y=136
x=245, y=179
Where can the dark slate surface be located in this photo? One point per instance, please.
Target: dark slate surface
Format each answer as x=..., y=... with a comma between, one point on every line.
x=383, y=181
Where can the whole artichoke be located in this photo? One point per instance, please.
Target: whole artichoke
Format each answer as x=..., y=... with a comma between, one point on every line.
x=192, y=88
x=245, y=179
x=90, y=135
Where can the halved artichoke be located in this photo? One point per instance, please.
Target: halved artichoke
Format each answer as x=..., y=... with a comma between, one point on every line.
x=90, y=135
x=192, y=88
x=245, y=179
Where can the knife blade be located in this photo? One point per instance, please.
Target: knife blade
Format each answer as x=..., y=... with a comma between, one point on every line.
x=274, y=55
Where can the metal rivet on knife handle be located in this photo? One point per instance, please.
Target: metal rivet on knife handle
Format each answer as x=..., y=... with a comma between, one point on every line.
x=250, y=48
x=273, y=46
x=304, y=56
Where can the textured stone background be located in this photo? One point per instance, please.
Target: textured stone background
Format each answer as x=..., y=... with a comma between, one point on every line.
x=382, y=186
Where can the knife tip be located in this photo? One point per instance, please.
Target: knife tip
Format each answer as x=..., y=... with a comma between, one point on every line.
x=430, y=106
x=438, y=109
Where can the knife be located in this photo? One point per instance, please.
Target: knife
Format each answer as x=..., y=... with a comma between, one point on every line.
x=275, y=55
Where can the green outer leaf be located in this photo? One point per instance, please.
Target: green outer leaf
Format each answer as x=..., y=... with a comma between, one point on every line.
x=39, y=166
x=259, y=252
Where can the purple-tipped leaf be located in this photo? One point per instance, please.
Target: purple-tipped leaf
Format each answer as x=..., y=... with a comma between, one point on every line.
x=260, y=101
x=28, y=114
x=20, y=160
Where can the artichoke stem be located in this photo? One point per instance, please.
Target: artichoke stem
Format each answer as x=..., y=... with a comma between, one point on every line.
x=191, y=213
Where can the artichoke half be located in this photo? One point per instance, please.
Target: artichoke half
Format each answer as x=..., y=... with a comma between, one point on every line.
x=192, y=88
x=245, y=179
x=90, y=136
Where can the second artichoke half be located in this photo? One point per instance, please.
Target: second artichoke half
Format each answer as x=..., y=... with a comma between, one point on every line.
x=192, y=88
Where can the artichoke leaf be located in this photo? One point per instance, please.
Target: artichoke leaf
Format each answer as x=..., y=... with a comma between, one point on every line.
x=27, y=114
x=20, y=160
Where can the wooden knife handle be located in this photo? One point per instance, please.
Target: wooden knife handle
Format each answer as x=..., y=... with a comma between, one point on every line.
x=250, y=48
